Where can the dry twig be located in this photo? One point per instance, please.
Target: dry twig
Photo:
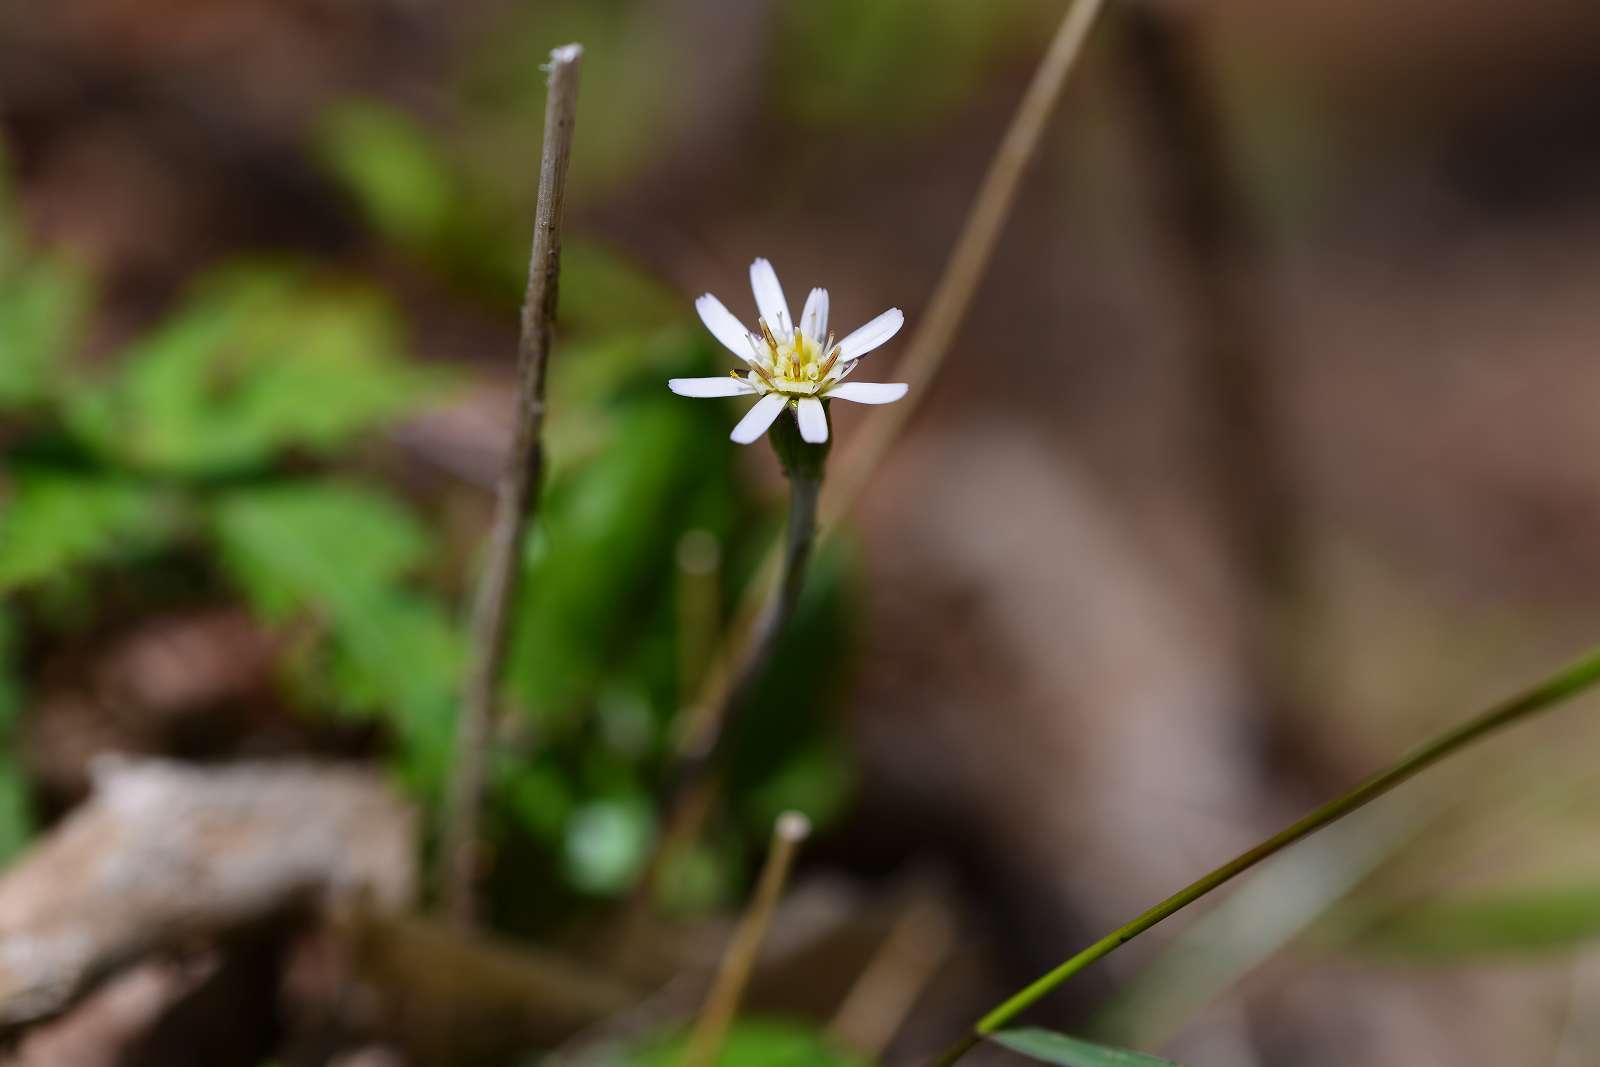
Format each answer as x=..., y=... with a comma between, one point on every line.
x=880, y=1000
x=516, y=501
x=165, y=853
x=722, y=1003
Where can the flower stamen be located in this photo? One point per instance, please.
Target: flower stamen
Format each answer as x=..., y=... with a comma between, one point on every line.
x=833, y=357
x=760, y=371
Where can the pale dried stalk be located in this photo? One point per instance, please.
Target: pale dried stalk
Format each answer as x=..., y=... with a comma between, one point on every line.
x=877, y=1005
x=516, y=502
x=722, y=1003
x=969, y=260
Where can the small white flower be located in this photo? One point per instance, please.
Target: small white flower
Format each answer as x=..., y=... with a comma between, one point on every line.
x=787, y=366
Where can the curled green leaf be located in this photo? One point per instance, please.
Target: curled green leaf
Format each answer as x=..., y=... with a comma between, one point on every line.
x=1047, y=1046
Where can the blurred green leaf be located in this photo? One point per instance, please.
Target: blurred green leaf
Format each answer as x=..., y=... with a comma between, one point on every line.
x=52, y=522
x=756, y=1043
x=10, y=683
x=817, y=778
x=1502, y=923
x=593, y=658
x=16, y=813
x=43, y=304
x=1048, y=1046
x=409, y=184
x=10, y=239
x=415, y=195
x=403, y=661
x=604, y=292
x=322, y=545
x=395, y=168
x=42, y=308
x=255, y=363
x=342, y=554
x=16, y=819
x=540, y=797
x=788, y=753
x=594, y=379
x=604, y=548
x=705, y=878
x=606, y=842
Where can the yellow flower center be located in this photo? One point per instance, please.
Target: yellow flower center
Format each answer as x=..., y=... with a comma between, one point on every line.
x=795, y=365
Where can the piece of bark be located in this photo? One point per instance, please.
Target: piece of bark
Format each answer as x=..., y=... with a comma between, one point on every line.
x=99, y=1031
x=165, y=854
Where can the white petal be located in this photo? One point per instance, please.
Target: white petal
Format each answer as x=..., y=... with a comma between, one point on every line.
x=724, y=326
x=723, y=386
x=769, y=298
x=755, y=423
x=813, y=420
x=814, y=319
x=872, y=334
x=868, y=392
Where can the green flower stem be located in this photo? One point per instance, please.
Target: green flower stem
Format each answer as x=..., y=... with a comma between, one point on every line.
x=693, y=782
x=803, y=465
x=1568, y=682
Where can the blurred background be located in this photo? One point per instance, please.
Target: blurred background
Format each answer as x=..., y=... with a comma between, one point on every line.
x=1266, y=449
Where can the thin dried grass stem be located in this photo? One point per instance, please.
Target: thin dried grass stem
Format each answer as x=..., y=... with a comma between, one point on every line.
x=877, y=1005
x=969, y=260
x=722, y=1003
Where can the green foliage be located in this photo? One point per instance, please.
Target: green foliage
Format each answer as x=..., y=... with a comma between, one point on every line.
x=787, y=756
x=417, y=197
x=42, y=301
x=422, y=199
x=605, y=542
x=1485, y=925
x=539, y=796
x=591, y=658
x=754, y=1043
x=15, y=816
x=41, y=308
x=406, y=185
x=54, y=522
x=334, y=546
x=342, y=556
x=259, y=365
x=594, y=657
x=207, y=441
x=256, y=363
x=1048, y=1046
x=602, y=292
x=16, y=813
x=10, y=237
x=606, y=842
x=705, y=878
